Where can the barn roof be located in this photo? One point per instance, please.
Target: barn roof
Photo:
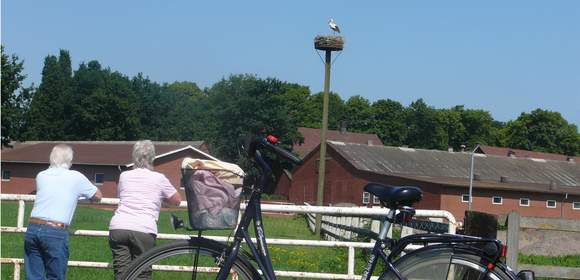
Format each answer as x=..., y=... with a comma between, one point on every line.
x=452, y=168
x=312, y=139
x=94, y=152
x=502, y=151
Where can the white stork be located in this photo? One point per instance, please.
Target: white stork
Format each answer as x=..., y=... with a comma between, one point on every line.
x=333, y=26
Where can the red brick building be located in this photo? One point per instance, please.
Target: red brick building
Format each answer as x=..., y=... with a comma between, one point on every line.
x=312, y=140
x=534, y=187
x=100, y=162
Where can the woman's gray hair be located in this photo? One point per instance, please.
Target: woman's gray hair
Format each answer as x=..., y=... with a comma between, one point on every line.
x=61, y=156
x=143, y=154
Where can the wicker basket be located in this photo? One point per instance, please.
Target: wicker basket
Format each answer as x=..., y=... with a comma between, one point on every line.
x=211, y=203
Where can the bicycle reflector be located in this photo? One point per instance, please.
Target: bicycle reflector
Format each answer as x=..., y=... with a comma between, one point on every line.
x=272, y=139
x=503, y=250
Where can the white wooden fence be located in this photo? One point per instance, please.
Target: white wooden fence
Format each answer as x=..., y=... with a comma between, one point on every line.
x=331, y=232
x=348, y=228
x=342, y=211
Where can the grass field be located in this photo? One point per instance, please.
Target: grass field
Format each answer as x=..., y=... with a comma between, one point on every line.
x=293, y=258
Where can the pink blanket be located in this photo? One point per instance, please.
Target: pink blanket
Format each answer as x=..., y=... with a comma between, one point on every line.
x=211, y=193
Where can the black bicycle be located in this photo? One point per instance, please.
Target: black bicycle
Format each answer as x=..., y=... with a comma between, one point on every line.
x=444, y=256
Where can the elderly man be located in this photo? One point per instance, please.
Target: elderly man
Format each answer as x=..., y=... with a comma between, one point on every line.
x=57, y=192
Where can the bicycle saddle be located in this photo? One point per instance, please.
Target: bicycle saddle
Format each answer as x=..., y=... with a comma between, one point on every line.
x=395, y=197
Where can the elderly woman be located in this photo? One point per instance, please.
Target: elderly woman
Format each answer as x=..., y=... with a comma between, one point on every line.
x=133, y=228
x=57, y=192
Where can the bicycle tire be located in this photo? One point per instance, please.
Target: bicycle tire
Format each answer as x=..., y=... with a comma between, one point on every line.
x=179, y=255
x=445, y=262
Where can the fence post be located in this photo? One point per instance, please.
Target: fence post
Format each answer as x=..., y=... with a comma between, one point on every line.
x=350, y=269
x=16, y=271
x=20, y=217
x=375, y=226
x=513, y=234
x=356, y=221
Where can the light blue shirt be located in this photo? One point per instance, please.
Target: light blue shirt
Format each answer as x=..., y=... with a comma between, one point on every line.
x=57, y=193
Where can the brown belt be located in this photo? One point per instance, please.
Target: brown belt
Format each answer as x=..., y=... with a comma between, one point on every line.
x=38, y=221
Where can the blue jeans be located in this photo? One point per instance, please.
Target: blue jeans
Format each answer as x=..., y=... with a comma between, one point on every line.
x=45, y=252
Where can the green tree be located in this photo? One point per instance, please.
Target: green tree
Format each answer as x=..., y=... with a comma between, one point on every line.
x=244, y=105
x=426, y=127
x=453, y=126
x=543, y=130
x=358, y=114
x=468, y=127
x=479, y=128
x=497, y=134
x=388, y=119
x=295, y=99
x=104, y=105
x=150, y=108
x=15, y=99
x=49, y=108
x=336, y=110
x=66, y=94
x=185, y=88
x=184, y=117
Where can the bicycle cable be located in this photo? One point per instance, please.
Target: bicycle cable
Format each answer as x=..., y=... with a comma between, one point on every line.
x=196, y=259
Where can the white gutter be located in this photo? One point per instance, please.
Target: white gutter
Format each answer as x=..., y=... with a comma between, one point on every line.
x=179, y=150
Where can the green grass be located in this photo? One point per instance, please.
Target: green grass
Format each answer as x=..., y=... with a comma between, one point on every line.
x=293, y=258
x=569, y=261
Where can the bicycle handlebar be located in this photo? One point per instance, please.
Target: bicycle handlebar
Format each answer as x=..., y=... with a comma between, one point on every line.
x=266, y=143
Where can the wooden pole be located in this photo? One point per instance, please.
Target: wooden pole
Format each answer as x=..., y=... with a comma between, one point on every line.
x=322, y=161
x=513, y=234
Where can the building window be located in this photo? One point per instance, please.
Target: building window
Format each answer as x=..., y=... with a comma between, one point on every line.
x=376, y=199
x=576, y=205
x=99, y=178
x=497, y=200
x=465, y=198
x=6, y=175
x=524, y=202
x=366, y=197
x=550, y=204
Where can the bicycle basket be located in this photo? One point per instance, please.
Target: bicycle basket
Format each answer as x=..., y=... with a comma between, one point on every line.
x=213, y=193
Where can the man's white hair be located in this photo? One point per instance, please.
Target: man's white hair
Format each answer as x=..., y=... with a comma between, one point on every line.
x=61, y=156
x=143, y=154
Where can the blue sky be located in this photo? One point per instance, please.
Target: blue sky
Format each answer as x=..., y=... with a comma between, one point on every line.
x=505, y=57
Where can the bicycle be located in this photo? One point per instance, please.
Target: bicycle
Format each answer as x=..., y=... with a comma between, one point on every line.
x=444, y=256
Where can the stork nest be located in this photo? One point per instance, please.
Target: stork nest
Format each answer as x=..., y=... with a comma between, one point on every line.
x=328, y=43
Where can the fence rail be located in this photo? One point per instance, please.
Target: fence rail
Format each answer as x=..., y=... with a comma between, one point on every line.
x=341, y=211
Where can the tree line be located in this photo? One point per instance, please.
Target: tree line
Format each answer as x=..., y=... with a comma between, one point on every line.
x=96, y=103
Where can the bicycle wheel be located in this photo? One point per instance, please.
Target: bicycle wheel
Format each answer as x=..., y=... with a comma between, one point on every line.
x=445, y=262
x=175, y=260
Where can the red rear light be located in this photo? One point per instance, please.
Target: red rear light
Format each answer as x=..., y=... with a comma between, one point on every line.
x=503, y=250
x=272, y=139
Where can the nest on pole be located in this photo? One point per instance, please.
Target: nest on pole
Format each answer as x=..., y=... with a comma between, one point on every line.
x=328, y=43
